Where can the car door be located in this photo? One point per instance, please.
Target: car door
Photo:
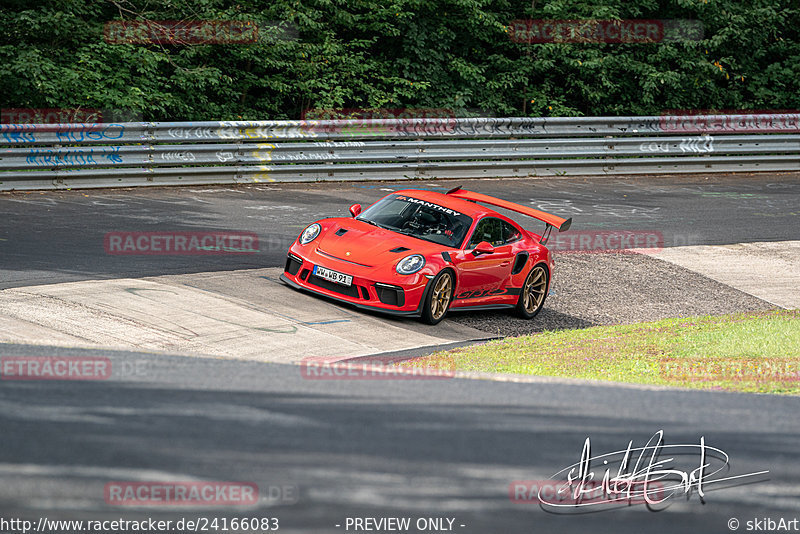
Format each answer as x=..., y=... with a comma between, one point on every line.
x=482, y=276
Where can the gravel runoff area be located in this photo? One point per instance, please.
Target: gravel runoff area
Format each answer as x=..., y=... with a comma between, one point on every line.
x=591, y=289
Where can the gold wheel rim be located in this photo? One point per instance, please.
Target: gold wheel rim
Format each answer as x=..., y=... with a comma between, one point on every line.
x=534, y=290
x=440, y=299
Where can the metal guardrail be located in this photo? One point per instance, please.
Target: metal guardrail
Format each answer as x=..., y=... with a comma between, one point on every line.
x=47, y=156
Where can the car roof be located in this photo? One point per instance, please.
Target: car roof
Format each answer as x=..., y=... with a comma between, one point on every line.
x=471, y=209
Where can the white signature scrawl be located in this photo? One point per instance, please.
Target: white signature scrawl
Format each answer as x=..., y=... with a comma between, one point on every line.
x=639, y=475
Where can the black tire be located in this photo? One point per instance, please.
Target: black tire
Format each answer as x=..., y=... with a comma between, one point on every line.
x=439, y=298
x=534, y=292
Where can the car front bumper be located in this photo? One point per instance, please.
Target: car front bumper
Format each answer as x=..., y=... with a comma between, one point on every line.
x=399, y=296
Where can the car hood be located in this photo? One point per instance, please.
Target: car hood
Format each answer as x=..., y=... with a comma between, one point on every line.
x=369, y=245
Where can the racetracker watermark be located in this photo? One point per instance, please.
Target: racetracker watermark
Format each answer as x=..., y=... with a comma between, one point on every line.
x=599, y=241
x=181, y=493
x=565, y=493
x=631, y=31
x=50, y=115
x=180, y=243
x=377, y=113
x=739, y=370
x=198, y=32
x=54, y=368
x=372, y=368
x=86, y=119
x=71, y=368
x=181, y=32
x=377, y=121
x=721, y=121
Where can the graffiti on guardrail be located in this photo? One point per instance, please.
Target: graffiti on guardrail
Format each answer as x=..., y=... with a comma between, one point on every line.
x=263, y=152
x=654, y=147
x=256, y=131
x=112, y=154
x=734, y=121
x=403, y=127
x=339, y=144
x=617, y=145
x=73, y=157
x=224, y=156
x=51, y=157
x=98, y=132
x=191, y=133
x=373, y=121
x=18, y=133
x=181, y=155
x=702, y=144
x=65, y=133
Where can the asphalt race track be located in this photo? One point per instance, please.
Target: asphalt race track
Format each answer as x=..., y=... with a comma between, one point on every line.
x=417, y=448
x=445, y=448
x=54, y=237
x=58, y=237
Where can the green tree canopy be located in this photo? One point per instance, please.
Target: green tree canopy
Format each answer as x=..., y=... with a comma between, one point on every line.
x=452, y=54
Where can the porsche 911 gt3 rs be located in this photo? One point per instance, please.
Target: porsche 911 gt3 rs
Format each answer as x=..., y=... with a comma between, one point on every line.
x=421, y=253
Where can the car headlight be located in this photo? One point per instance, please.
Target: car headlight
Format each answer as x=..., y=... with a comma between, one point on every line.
x=310, y=234
x=411, y=264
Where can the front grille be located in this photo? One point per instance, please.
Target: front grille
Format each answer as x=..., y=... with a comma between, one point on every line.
x=392, y=296
x=292, y=265
x=350, y=291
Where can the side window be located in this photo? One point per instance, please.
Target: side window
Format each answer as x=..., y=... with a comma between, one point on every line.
x=489, y=230
x=510, y=234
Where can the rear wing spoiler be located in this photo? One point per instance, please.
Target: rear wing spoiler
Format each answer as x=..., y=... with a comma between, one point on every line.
x=550, y=220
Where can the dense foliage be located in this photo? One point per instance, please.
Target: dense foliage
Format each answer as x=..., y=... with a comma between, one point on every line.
x=452, y=54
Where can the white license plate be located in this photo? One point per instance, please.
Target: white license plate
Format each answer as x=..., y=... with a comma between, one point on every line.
x=333, y=276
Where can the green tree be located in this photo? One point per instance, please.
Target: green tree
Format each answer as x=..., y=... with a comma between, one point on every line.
x=453, y=54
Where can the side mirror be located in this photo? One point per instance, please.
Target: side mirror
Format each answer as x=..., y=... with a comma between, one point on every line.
x=483, y=248
x=355, y=209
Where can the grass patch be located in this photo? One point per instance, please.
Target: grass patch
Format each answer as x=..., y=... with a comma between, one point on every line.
x=750, y=352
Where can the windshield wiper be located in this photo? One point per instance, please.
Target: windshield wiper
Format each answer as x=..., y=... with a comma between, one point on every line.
x=398, y=230
x=373, y=223
x=406, y=232
x=415, y=236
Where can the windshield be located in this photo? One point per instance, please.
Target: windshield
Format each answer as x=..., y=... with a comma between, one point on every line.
x=419, y=218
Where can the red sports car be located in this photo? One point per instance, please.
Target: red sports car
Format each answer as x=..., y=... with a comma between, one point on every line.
x=421, y=253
